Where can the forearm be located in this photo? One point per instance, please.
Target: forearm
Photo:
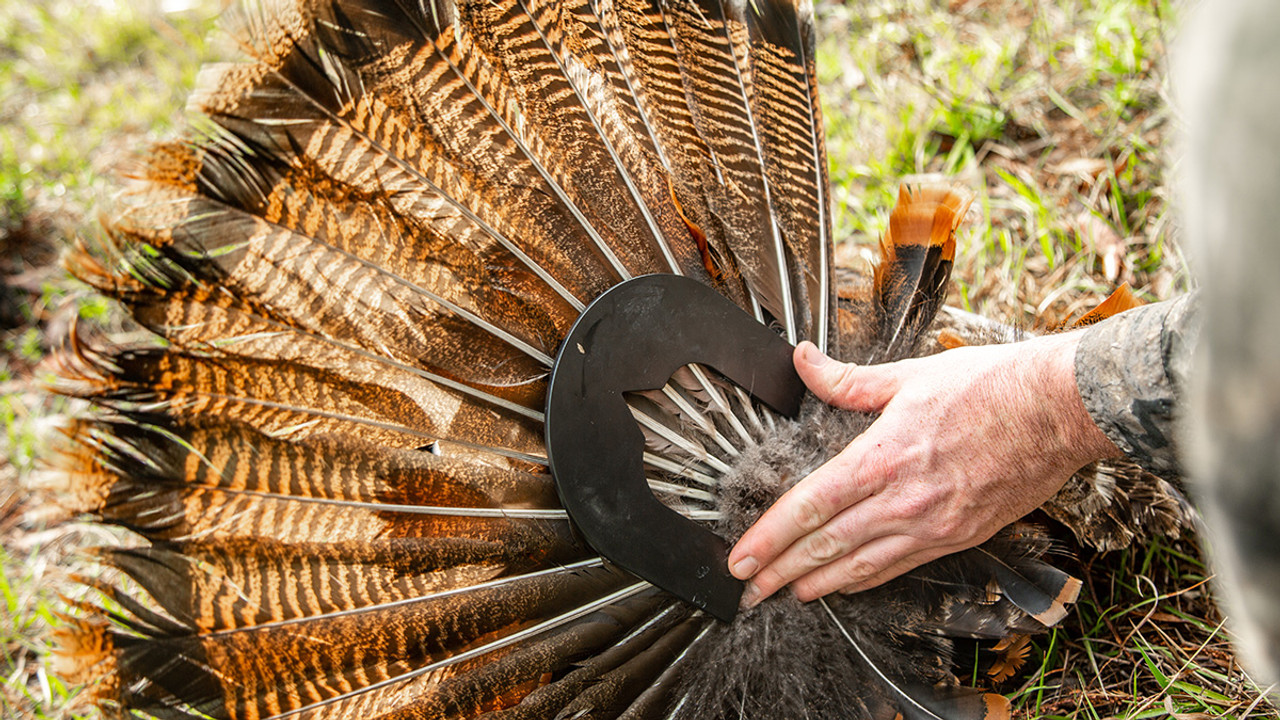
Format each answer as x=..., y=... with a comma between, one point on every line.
x=1131, y=370
x=1048, y=366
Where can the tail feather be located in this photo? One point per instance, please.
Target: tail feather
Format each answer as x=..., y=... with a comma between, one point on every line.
x=518, y=684
x=619, y=688
x=552, y=699
x=403, y=411
x=918, y=250
x=987, y=621
x=789, y=116
x=390, y=649
x=1038, y=589
x=971, y=706
x=563, y=91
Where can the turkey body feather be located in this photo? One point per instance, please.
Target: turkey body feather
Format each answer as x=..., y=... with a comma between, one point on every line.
x=361, y=267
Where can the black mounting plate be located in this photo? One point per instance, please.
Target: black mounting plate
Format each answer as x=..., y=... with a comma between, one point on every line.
x=634, y=337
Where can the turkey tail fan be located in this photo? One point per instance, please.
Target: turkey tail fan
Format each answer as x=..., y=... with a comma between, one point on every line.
x=359, y=268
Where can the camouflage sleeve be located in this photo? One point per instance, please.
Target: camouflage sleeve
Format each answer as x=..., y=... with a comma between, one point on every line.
x=1131, y=371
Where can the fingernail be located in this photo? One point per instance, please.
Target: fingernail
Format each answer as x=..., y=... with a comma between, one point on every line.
x=744, y=568
x=750, y=597
x=813, y=355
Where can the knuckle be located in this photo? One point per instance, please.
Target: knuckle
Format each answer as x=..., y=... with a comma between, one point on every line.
x=924, y=502
x=856, y=571
x=822, y=547
x=808, y=515
x=875, y=471
x=846, y=380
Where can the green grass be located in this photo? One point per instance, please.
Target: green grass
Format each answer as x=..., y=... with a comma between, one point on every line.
x=78, y=80
x=1053, y=112
x=30, y=607
x=82, y=87
x=1144, y=641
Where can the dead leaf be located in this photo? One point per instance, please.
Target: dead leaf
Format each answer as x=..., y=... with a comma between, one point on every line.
x=1104, y=241
x=1087, y=169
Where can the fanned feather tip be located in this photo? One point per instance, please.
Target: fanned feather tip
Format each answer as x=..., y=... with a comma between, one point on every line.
x=917, y=252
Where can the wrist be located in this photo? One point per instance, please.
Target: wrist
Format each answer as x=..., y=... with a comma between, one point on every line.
x=1072, y=427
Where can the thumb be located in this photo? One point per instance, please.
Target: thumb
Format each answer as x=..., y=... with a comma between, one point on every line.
x=844, y=385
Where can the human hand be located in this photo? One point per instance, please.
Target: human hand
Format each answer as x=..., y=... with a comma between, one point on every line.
x=967, y=441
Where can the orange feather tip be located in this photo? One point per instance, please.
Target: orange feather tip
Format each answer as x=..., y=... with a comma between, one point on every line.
x=964, y=704
x=1120, y=300
x=70, y=478
x=928, y=215
x=1052, y=616
x=1011, y=655
x=83, y=650
x=1069, y=592
x=998, y=707
x=1067, y=595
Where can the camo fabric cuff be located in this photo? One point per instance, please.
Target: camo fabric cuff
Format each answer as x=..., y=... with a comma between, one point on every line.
x=1131, y=372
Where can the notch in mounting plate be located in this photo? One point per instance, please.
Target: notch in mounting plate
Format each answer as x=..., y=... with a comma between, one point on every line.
x=634, y=337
